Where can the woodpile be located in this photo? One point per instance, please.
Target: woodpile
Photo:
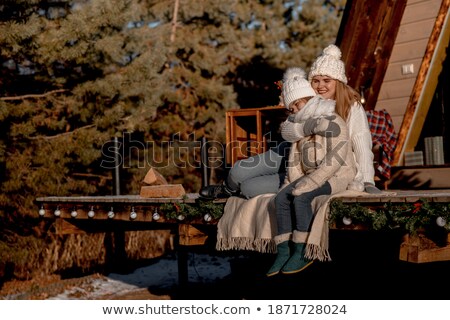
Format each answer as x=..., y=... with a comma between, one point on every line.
x=156, y=186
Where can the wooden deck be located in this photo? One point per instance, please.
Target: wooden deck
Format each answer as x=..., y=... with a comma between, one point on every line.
x=132, y=212
x=145, y=207
x=403, y=196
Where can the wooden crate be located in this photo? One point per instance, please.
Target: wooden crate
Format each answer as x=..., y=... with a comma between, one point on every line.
x=249, y=131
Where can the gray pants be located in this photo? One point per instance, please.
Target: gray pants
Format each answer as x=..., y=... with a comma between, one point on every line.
x=259, y=174
x=295, y=212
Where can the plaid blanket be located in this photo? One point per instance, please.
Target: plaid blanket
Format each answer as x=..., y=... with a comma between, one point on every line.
x=384, y=136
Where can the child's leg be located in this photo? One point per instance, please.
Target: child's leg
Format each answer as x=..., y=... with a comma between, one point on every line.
x=303, y=209
x=303, y=216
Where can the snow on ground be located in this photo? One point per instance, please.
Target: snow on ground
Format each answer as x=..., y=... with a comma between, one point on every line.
x=163, y=274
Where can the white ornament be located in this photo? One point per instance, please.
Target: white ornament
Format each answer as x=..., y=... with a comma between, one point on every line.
x=57, y=212
x=441, y=222
x=207, y=217
x=133, y=214
x=91, y=213
x=42, y=212
x=111, y=214
x=156, y=215
x=74, y=213
x=347, y=221
x=180, y=217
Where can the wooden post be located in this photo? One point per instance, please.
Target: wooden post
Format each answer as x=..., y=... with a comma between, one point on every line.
x=204, y=162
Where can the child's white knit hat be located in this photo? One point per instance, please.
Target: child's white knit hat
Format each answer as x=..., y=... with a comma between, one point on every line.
x=295, y=86
x=329, y=64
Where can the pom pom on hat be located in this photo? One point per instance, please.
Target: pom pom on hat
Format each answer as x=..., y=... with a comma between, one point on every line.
x=295, y=86
x=329, y=64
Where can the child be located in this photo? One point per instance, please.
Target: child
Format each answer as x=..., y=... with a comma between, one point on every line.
x=313, y=161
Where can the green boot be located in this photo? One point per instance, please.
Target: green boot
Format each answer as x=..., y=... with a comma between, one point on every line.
x=297, y=262
x=281, y=258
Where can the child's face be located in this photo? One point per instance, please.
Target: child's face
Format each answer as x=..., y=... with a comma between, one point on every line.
x=297, y=105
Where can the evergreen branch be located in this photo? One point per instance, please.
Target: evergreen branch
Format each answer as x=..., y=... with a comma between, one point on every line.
x=31, y=96
x=90, y=175
x=63, y=133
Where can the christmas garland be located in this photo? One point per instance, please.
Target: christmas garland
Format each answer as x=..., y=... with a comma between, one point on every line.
x=208, y=210
x=411, y=217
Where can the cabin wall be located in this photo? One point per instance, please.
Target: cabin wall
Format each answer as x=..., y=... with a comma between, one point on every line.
x=409, y=49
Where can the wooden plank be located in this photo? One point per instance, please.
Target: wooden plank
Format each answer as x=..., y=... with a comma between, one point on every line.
x=421, y=10
x=398, y=121
x=397, y=89
x=395, y=107
x=190, y=235
x=420, y=249
x=171, y=191
x=131, y=199
x=415, y=1
x=400, y=196
x=415, y=31
x=409, y=50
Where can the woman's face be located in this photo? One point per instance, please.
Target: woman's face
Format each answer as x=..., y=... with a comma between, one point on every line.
x=325, y=86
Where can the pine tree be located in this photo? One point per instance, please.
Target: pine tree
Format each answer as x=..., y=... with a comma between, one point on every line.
x=157, y=74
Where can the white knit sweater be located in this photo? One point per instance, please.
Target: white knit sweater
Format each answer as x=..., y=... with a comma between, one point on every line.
x=358, y=127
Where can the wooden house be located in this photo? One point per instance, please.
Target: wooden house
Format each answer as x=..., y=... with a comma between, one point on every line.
x=396, y=55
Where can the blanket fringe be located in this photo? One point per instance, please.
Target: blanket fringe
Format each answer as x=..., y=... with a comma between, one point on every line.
x=315, y=252
x=240, y=243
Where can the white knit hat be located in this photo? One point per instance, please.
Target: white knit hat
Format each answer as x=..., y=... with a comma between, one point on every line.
x=329, y=64
x=295, y=86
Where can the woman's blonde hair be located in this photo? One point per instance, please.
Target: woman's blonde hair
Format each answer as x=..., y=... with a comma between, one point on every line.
x=346, y=96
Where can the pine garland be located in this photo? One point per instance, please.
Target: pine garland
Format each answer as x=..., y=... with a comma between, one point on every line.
x=192, y=211
x=411, y=217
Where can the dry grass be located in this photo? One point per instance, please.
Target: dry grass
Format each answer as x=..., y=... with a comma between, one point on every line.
x=43, y=255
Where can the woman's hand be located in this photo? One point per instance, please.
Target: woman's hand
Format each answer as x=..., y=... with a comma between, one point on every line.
x=304, y=185
x=323, y=126
x=371, y=188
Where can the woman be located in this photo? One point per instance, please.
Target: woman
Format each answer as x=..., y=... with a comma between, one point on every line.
x=327, y=77
x=264, y=173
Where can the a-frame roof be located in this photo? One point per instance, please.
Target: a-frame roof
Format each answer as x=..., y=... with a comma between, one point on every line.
x=394, y=52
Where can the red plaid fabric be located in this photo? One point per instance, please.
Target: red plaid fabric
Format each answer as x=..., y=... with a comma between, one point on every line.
x=383, y=135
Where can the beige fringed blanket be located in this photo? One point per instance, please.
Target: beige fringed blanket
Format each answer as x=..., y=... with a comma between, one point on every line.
x=251, y=225
x=248, y=224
